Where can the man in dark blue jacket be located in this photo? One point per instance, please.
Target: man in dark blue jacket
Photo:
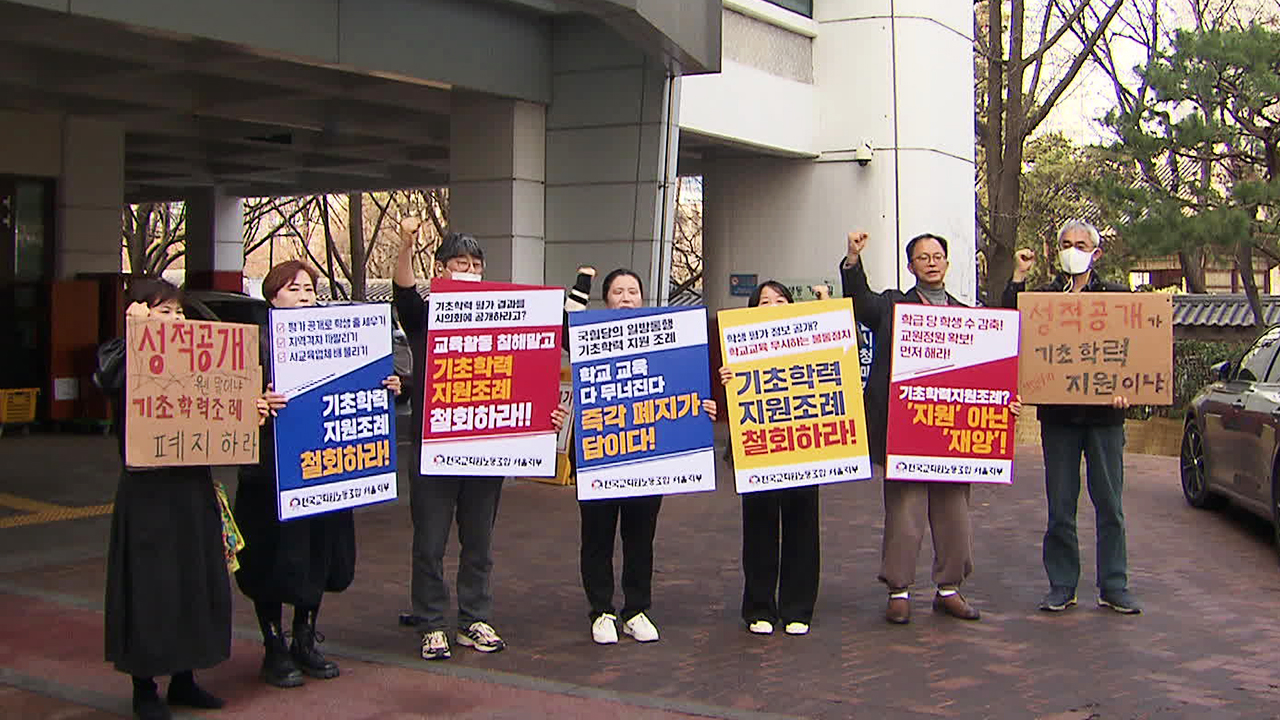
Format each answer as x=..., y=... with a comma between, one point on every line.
x=1067, y=432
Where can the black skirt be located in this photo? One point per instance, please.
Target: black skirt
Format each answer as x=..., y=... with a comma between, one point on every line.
x=168, y=599
x=293, y=562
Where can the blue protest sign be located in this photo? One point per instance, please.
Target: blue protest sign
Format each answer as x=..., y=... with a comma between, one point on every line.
x=335, y=440
x=639, y=379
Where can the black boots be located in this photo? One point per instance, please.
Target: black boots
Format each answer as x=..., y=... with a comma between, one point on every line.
x=278, y=668
x=183, y=690
x=304, y=651
x=147, y=705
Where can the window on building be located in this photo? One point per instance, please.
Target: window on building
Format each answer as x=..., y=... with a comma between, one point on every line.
x=804, y=7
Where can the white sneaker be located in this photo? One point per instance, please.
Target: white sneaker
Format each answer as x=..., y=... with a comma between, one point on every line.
x=641, y=629
x=761, y=627
x=797, y=628
x=604, y=631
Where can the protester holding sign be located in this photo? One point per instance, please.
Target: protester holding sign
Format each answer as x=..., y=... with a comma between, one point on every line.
x=435, y=500
x=1069, y=431
x=781, y=553
x=168, y=598
x=637, y=516
x=290, y=562
x=910, y=506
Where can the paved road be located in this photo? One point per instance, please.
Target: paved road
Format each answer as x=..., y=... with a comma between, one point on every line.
x=1206, y=647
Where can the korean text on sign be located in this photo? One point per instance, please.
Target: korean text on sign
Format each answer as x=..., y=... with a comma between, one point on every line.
x=953, y=376
x=639, y=379
x=492, y=379
x=191, y=389
x=335, y=440
x=1087, y=348
x=795, y=402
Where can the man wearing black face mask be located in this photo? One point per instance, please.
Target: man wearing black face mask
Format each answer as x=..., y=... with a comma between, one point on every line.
x=1067, y=432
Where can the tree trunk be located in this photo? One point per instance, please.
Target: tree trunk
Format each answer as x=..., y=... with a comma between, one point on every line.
x=355, y=227
x=1192, y=263
x=1244, y=264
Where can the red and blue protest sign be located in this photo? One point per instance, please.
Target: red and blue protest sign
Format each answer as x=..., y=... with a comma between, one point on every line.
x=639, y=379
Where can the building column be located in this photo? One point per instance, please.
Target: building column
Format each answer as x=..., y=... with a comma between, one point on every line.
x=612, y=133
x=496, y=182
x=90, y=197
x=787, y=219
x=215, y=242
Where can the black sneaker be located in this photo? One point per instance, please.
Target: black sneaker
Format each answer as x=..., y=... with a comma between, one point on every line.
x=1058, y=599
x=1120, y=601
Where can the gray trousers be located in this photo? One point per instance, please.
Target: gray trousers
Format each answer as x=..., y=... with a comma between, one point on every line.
x=435, y=501
x=910, y=508
x=1103, y=449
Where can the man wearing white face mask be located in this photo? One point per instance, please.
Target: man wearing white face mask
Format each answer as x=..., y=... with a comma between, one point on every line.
x=1067, y=432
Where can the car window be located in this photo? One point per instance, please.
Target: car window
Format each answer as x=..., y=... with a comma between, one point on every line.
x=1256, y=363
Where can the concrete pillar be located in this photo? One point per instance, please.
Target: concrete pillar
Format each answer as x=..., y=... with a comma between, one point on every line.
x=612, y=133
x=90, y=197
x=215, y=242
x=496, y=185
x=902, y=83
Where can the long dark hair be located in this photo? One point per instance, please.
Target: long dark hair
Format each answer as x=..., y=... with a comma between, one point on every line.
x=773, y=285
x=153, y=291
x=620, y=272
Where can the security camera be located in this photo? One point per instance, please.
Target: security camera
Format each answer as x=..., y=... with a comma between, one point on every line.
x=863, y=154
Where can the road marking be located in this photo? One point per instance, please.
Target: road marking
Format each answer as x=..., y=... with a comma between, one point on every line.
x=34, y=512
x=15, y=502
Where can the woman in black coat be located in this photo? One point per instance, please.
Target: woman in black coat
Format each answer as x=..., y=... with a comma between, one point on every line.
x=295, y=562
x=168, y=597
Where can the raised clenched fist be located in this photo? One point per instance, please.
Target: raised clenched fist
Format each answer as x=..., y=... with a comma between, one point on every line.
x=138, y=311
x=410, y=225
x=1023, y=261
x=857, y=241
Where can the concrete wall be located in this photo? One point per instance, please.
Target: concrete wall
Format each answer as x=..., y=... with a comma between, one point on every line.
x=86, y=158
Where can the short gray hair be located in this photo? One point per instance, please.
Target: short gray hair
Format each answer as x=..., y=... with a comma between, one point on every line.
x=1070, y=225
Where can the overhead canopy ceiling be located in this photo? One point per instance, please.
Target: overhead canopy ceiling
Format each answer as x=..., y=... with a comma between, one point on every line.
x=198, y=113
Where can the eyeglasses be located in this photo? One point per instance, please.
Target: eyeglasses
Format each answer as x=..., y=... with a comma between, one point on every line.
x=935, y=259
x=462, y=264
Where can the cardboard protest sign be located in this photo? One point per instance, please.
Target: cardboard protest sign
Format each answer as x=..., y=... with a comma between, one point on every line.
x=796, y=414
x=492, y=379
x=1086, y=348
x=639, y=379
x=191, y=389
x=954, y=373
x=335, y=442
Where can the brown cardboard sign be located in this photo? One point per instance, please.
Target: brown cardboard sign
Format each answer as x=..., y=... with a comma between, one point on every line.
x=190, y=394
x=1087, y=348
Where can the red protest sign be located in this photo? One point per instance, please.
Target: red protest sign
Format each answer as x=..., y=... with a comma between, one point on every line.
x=492, y=379
x=955, y=371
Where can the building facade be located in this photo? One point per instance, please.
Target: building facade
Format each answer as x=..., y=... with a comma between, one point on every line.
x=559, y=127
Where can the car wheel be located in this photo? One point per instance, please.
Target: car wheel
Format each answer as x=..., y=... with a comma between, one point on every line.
x=1195, y=479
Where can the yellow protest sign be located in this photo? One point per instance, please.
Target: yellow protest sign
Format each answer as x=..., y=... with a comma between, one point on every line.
x=795, y=408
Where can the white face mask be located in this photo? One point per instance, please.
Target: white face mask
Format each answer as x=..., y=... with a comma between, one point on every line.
x=1075, y=261
x=469, y=277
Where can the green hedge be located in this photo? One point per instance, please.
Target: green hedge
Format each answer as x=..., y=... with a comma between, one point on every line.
x=1193, y=361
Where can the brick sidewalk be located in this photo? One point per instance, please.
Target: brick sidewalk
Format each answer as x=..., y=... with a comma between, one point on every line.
x=1204, y=648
